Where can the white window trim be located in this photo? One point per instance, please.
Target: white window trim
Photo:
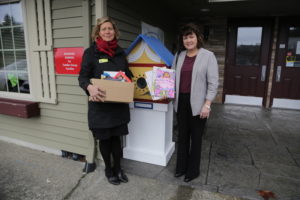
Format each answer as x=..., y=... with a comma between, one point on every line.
x=100, y=8
x=39, y=42
x=23, y=96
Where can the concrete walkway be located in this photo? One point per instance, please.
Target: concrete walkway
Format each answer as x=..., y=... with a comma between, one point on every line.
x=245, y=149
x=27, y=174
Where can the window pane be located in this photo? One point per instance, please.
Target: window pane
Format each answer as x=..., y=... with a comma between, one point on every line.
x=12, y=82
x=24, y=83
x=13, y=63
x=9, y=58
x=5, y=16
x=1, y=61
x=21, y=61
x=16, y=13
x=248, y=46
x=7, y=38
x=3, y=86
x=293, y=52
x=19, y=38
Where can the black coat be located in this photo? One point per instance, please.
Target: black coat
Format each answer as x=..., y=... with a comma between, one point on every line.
x=103, y=115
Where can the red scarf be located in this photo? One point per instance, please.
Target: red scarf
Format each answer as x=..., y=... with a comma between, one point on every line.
x=107, y=47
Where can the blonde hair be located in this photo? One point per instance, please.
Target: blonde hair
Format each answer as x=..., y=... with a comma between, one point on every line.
x=99, y=22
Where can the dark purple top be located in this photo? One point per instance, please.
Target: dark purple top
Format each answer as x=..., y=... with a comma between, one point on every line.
x=186, y=74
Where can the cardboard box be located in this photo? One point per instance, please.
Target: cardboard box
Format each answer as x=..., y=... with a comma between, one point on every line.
x=116, y=91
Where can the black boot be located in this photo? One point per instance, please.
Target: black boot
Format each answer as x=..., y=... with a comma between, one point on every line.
x=178, y=174
x=89, y=167
x=122, y=176
x=111, y=178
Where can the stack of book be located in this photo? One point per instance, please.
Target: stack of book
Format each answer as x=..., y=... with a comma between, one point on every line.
x=161, y=83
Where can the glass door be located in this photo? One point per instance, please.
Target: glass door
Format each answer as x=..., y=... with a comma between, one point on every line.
x=286, y=80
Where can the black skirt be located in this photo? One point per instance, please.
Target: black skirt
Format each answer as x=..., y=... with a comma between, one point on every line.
x=107, y=133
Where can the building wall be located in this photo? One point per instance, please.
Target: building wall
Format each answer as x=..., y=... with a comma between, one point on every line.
x=272, y=61
x=61, y=126
x=217, y=43
x=127, y=21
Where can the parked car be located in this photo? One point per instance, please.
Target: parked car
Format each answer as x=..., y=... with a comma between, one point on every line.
x=11, y=80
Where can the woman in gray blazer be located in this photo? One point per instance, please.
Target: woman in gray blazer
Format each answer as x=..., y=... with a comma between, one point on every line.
x=196, y=86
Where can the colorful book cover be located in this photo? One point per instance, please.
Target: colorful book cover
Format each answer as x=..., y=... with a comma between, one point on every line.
x=164, y=82
x=121, y=76
x=149, y=81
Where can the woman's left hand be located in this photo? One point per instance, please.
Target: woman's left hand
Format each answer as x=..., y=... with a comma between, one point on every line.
x=204, y=112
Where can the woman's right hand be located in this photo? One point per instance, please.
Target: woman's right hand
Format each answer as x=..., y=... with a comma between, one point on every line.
x=96, y=93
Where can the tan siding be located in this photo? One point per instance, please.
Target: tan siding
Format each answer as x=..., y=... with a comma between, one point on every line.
x=68, y=33
x=93, y=14
x=128, y=36
x=46, y=135
x=67, y=23
x=72, y=116
x=63, y=123
x=119, y=14
x=124, y=44
x=61, y=126
x=51, y=122
x=68, y=107
x=129, y=28
x=66, y=89
x=59, y=4
x=68, y=42
x=47, y=143
x=34, y=125
x=67, y=79
x=67, y=98
x=128, y=23
x=67, y=12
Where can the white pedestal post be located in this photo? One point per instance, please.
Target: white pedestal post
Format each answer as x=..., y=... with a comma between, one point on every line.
x=150, y=133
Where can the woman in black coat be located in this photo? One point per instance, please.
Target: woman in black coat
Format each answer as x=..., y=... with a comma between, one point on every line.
x=107, y=121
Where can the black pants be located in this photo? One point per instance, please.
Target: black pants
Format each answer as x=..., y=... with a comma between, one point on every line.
x=190, y=131
x=111, y=148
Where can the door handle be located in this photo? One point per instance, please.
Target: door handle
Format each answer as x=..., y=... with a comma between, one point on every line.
x=278, y=73
x=263, y=73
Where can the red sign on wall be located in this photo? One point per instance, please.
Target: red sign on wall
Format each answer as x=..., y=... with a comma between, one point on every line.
x=68, y=60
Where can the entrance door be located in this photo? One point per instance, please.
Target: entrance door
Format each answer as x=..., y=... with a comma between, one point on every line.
x=247, y=58
x=286, y=80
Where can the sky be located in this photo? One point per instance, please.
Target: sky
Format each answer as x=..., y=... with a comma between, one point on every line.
x=249, y=35
x=11, y=9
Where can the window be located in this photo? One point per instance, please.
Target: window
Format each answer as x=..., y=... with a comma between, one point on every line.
x=13, y=61
x=293, y=52
x=248, y=46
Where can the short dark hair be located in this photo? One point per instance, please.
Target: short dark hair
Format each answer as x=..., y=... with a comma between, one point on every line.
x=188, y=29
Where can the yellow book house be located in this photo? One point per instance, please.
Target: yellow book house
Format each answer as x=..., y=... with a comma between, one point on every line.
x=143, y=54
x=151, y=125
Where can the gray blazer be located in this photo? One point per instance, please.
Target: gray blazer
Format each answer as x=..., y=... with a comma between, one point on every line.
x=205, y=78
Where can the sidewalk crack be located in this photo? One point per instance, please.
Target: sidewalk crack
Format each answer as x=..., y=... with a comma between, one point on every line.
x=253, y=163
x=271, y=131
x=74, y=188
x=206, y=178
x=291, y=154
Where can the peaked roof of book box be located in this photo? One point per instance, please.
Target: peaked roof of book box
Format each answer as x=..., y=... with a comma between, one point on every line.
x=156, y=45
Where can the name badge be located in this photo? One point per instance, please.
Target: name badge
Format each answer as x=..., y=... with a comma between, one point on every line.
x=103, y=60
